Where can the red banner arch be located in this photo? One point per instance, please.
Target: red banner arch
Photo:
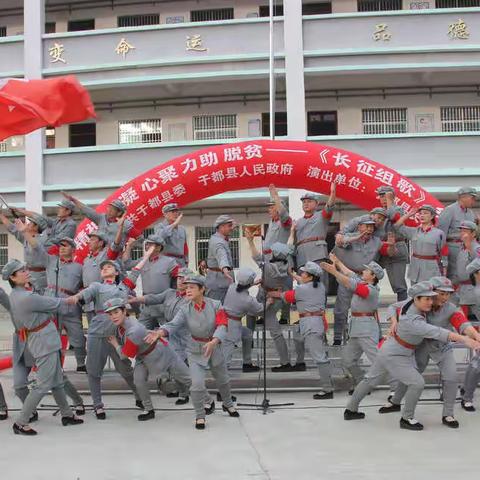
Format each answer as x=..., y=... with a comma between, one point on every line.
x=255, y=164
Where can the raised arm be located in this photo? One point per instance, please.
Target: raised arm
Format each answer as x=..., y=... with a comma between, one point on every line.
x=87, y=211
x=251, y=243
x=341, y=277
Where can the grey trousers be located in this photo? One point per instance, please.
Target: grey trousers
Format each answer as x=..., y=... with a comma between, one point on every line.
x=396, y=272
x=400, y=368
x=315, y=346
x=449, y=377
x=98, y=352
x=151, y=322
x=453, y=251
x=178, y=371
x=273, y=326
x=237, y=333
x=49, y=377
x=74, y=328
x=3, y=402
x=198, y=364
x=340, y=311
x=472, y=376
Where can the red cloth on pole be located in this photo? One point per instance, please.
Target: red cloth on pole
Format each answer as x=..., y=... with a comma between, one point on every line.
x=26, y=105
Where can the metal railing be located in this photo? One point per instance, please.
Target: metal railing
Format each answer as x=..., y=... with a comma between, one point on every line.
x=215, y=127
x=460, y=119
x=379, y=121
x=378, y=5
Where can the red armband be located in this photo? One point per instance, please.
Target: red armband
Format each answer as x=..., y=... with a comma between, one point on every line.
x=458, y=319
x=185, y=249
x=174, y=272
x=444, y=251
x=384, y=249
x=111, y=255
x=130, y=349
x=54, y=250
x=289, y=296
x=362, y=290
x=126, y=281
x=221, y=318
x=396, y=217
x=287, y=223
x=327, y=215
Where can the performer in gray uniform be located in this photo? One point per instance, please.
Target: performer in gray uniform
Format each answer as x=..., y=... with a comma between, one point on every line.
x=101, y=328
x=238, y=303
x=469, y=251
x=472, y=375
x=364, y=329
x=174, y=234
x=157, y=276
x=219, y=259
x=429, y=249
x=397, y=355
x=5, y=303
x=449, y=222
x=310, y=298
x=446, y=315
x=207, y=323
x=60, y=227
x=34, y=260
x=154, y=359
x=33, y=312
x=355, y=251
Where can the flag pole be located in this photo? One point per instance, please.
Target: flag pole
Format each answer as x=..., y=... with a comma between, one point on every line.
x=271, y=75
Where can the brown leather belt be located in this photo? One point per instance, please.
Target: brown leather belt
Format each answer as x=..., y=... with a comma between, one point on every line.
x=201, y=339
x=215, y=269
x=454, y=240
x=35, y=269
x=61, y=290
x=233, y=317
x=426, y=257
x=309, y=239
x=174, y=255
x=276, y=289
x=363, y=314
x=318, y=313
x=149, y=350
x=403, y=343
x=465, y=282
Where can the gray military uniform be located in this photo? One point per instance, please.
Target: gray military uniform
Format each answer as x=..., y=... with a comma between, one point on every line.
x=398, y=361
x=152, y=361
x=449, y=222
x=5, y=303
x=203, y=326
x=472, y=375
x=58, y=229
x=465, y=290
x=175, y=242
x=219, y=256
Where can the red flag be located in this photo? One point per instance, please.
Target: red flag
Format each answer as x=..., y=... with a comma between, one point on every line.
x=26, y=105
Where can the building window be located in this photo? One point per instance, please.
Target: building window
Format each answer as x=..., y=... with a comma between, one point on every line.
x=203, y=234
x=138, y=20
x=50, y=137
x=3, y=147
x=317, y=8
x=137, y=250
x=460, y=119
x=280, y=124
x=82, y=134
x=378, y=121
x=264, y=11
x=214, y=127
x=377, y=5
x=322, y=123
x=211, y=14
x=50, y=27
x=3, y=31
x=140, y=131
x=3, y=249
x=457, y=3
x=79, y=25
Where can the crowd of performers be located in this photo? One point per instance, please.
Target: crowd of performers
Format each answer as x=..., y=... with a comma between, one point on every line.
x=186, y=323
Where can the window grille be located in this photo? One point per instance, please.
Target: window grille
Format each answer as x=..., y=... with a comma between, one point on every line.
x=203, y=234
x=140, y=131
x=138, y=20
x=137, y=250
x=457, y=3
x=3, y=249
x=378, y=5
x=211, y=14
x=460, y=119
x=378, y=121
x=213, y=127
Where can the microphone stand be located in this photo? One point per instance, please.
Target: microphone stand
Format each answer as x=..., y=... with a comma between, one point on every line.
x=265, y=405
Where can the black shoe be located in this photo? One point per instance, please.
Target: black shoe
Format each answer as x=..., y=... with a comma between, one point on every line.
x=4, y=415
x=200, y=424
x=389, y=408
x=231, y=411
x=146, y=416
x=172, y=395
x=337, y=343
x=82, y=369
x=283, y=321
x=299, y=367
x=19, y=430
x=349, y=415
x=182, y=401
x=250, y=367
x=209, y=410
x=219, y=397
x=323, y=396
x=71, y=421
x=33, y=418
x=462, y=391
x=259, y=321
x=139, y=404
x=410, y=424
x=282, y=368
x=468, y=406
x=450, y=422
x=80, y=410
x=100, y=413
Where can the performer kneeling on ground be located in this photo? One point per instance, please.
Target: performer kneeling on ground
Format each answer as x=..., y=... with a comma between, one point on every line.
x=207, y=323
x=310, y=299
x=154, y=359
x=397, y=355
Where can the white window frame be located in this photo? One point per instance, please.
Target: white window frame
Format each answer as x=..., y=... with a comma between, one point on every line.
x=3, y=249
x=139, y=136
x=460, y=118
x=384, y=121
x=215, y=127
